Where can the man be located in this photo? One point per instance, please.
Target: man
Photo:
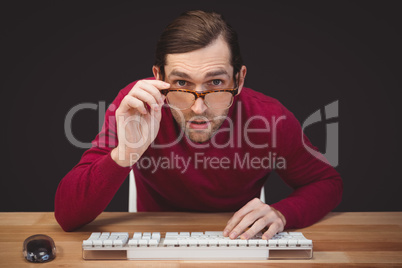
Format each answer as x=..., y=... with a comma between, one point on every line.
x=210, y=147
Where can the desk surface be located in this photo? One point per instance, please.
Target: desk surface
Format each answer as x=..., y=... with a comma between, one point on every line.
x=358, y=239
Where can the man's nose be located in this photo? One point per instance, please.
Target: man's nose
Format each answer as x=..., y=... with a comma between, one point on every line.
x=199, y=106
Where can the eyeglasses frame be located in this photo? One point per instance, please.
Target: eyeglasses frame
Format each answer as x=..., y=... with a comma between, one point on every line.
x=200, y=94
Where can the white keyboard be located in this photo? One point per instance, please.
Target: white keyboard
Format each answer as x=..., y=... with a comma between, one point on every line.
x=194, y=246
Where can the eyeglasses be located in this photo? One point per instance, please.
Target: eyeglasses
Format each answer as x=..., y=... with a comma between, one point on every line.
x=216, y=99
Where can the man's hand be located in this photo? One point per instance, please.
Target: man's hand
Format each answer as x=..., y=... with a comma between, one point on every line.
x=137, y=121
x=258, y=215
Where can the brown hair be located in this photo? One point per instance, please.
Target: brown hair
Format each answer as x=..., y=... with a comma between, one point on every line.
x=193, y=30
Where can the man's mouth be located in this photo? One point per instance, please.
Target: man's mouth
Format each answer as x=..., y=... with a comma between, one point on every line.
x=198, y=124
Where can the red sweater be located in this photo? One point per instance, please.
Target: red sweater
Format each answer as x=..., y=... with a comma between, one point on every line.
x=223, y=176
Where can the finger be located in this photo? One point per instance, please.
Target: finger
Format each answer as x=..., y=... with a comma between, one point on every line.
x=153, y=87
x=156, y=114
x=146, y=98
x=255, y=228
x=248, y=220
x=158, y=83
x=238, y=216
x=273, y=229
x=129, y=102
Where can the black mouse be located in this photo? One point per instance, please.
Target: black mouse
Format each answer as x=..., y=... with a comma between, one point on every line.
x=39, y=248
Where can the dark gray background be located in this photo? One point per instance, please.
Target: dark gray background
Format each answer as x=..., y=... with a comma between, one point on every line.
x=307, y=54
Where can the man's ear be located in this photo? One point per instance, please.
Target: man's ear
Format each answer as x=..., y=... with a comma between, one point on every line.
x=241, y=76
x=156, y=72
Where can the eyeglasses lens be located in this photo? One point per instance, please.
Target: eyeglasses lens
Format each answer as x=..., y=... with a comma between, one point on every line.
x=214, y=100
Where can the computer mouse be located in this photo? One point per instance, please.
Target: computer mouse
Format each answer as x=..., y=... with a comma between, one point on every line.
x=39, y=248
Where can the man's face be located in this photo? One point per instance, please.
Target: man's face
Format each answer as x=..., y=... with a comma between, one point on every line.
x=198, y=70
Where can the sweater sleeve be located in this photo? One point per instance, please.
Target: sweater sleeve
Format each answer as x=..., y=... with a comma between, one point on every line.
x=317, y=185
x=90, y=186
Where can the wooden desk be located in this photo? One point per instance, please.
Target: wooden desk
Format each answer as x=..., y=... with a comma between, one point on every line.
x=371, y=239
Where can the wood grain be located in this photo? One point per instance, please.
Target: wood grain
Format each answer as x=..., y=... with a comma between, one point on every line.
x=351, y=239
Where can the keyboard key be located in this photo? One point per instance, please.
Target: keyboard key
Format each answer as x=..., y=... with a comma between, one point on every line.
x=193, y=242
x=172, y=234
x=295, y=233
x=305, y=243
x=156, y=236
x=223, y=242
x=97, y=243
x=133, y=243
x=214, y=233
x=184, y=234
x=212, y=242
x=253, y=242
x=242, y=243
x=143, y=243
x=105, y=234
x=94, y=236
x=233, y=243
x=203, y=243
x=282, y=243
x=183, y=243
x=272, y=243
x=108, y=243
x=153, y=243
x=117, y=243
x=292, y=243
x=262, y=243
x=120, y=233
x=196, y=234
x=87, y=243
x=113, y=237
x=137, y=235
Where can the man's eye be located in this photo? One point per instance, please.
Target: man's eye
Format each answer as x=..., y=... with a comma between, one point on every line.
x=216, y=82
x=181, y=83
